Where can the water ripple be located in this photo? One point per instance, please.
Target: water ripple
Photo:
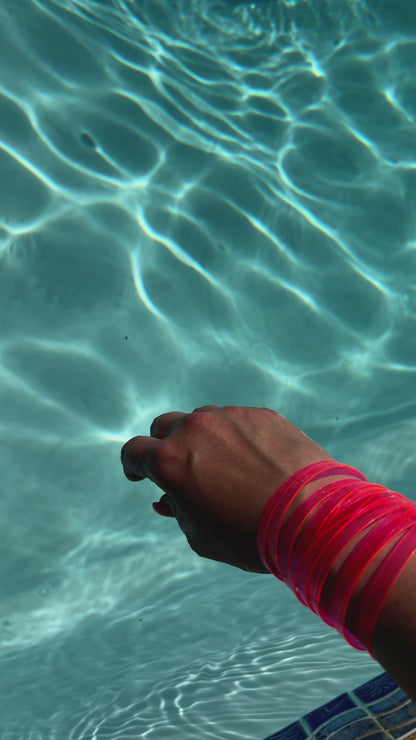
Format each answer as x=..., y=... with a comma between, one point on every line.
x=202, y=202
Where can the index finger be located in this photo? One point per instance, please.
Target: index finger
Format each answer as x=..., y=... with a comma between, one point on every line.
x=135, y=457
x=166, y=423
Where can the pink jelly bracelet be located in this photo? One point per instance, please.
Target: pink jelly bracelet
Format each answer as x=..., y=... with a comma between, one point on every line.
x=354, y=514
x=391, y=518
x=381, y=583
x=314, y=557
x=277, y=506
x=328, y=498
x=341, y=586
x=334, y=529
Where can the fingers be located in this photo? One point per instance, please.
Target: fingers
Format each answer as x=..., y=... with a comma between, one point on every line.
x=138, y=453
x=135, y=457
x=165, y=506
x=165, y=423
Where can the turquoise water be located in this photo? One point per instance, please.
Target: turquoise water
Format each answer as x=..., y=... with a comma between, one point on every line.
x=200, y=202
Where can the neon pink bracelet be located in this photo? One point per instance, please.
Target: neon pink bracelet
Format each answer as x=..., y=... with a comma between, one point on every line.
x=334, y=530
x=274, y=512
x=303, y=553
x=340, y=497
x=290, y=532
x=315, y=562
x=381, y=582
x=389, y=525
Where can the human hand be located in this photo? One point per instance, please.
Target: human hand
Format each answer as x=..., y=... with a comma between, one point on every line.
x=218, y=468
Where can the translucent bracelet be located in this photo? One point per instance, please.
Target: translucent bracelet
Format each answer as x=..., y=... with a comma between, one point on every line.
x=354, y=514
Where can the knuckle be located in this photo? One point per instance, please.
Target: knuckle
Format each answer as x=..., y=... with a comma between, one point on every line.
x=238, y=413
x=165, y=461
x=233, y=409
x=194, y=422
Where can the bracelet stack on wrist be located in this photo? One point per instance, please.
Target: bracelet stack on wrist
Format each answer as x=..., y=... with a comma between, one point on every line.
x=351, y=518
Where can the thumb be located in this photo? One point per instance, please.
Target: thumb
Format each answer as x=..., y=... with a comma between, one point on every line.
x=136, y=456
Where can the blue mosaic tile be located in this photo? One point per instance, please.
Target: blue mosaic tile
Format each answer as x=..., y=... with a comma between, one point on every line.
x=377, y=735
x=399, y=731
x=375, y=688
x=377, y=710
x=347, y=728
x=400, y=721
x=392, y=702
x=319, y=716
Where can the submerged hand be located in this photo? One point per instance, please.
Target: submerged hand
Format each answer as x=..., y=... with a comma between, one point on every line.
x=218, y=468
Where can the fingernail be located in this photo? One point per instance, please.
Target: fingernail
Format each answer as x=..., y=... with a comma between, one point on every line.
x=162, y=508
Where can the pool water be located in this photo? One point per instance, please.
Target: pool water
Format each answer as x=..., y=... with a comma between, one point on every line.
x=201, y=202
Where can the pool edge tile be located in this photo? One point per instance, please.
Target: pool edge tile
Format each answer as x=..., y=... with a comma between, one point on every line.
x=379, y=709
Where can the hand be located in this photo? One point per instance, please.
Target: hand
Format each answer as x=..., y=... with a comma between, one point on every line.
x=218, y=468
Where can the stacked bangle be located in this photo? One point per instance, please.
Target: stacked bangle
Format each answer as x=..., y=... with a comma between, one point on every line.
x=303, y=550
